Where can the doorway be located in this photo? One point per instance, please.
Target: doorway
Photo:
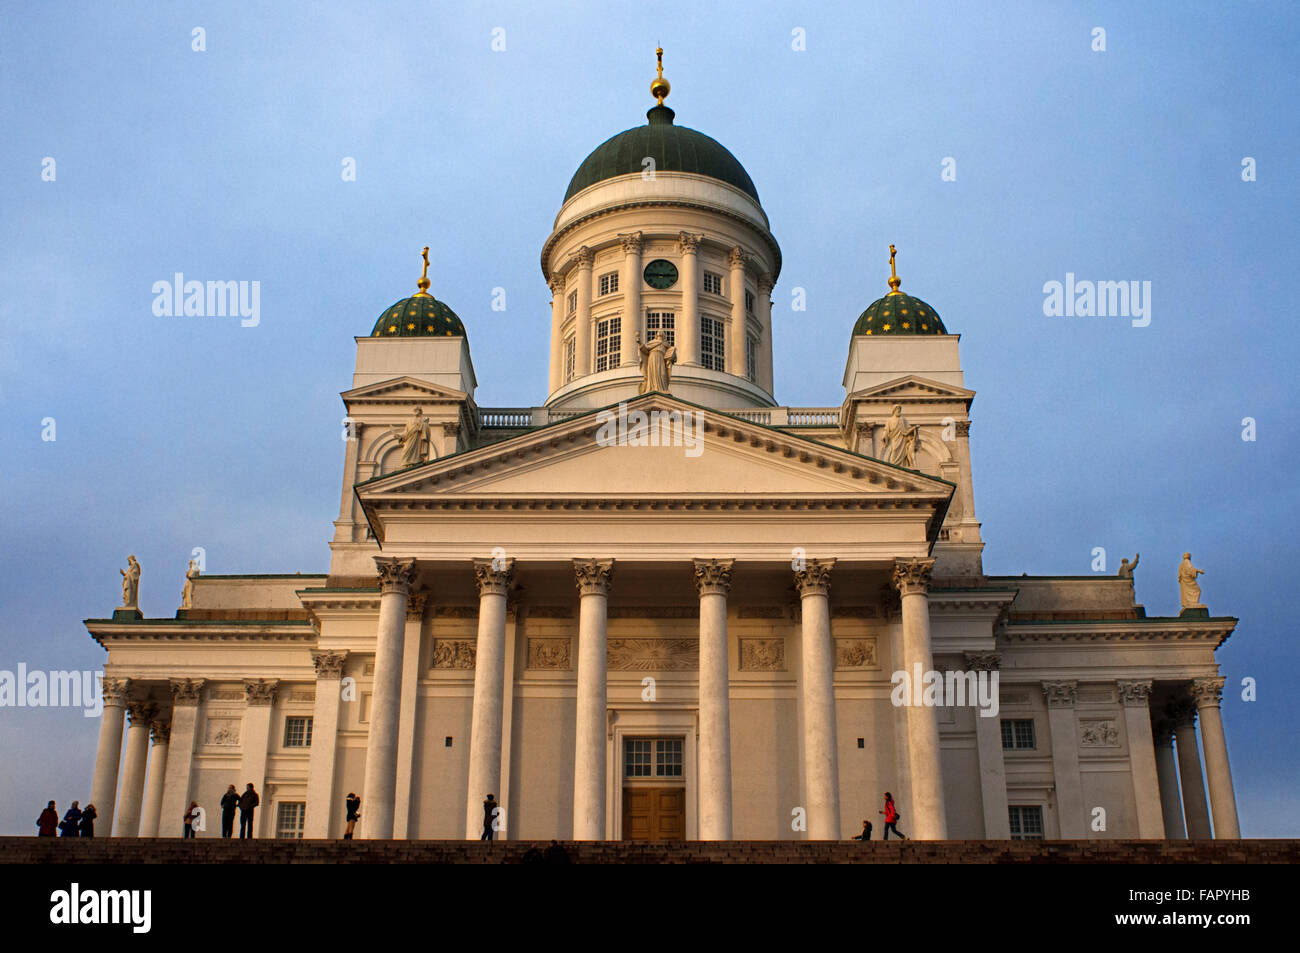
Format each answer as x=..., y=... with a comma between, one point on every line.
x=654, y=789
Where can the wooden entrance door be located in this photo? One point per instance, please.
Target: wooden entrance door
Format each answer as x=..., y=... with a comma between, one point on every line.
x=654, y=813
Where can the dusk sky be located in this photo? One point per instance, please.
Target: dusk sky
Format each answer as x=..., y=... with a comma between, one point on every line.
x=1126, y=164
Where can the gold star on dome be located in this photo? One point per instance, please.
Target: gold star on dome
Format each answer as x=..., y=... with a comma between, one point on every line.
x=428, y=327
x=906, y=324
x=886, y=328
x=392, y=328
x=925, y=327
x=411, y=326
x=868, y=330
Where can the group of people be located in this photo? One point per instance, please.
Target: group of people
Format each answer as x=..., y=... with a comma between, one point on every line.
x=77, y=822
x=891, y=821
x=231, y=801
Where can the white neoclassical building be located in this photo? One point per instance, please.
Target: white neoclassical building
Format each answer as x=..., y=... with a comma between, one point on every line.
x=661, y=604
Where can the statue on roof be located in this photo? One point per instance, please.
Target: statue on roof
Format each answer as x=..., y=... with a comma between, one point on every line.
x=131, y=584
x=187, y=594
x=898, y=444
x=657, y=360
x=1188, y=588
x=1126, y=568
x=413, y=438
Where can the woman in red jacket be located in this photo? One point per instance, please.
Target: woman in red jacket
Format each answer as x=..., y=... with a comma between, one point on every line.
x=891, y=817
x=48, y=822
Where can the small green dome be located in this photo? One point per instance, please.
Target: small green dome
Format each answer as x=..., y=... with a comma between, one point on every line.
x=420, y=315
x=898, y=313
x=673, y=148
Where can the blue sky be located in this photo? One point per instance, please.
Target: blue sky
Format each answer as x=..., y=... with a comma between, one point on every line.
x=225, y=164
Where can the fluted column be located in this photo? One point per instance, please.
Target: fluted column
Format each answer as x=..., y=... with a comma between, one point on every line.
x=1171, y=802
x=688, y=326
x=631, y=284
x=1135, y=696
x=493, y=577
x=593, y=578
x=556, y=284
x=713, y=582
x=255, y=741
x=820, y=754
x=581, y=274
x=993, y=771
x=186, y=695
x=159, y=731
x=380, y=786
x=763, y=307
x=139, y=714
x=323, y=755
x=103, y=788
x=1189, y=770
x=1208, y=694
x=738, y=333
x=1062, y=724
x=925, y=765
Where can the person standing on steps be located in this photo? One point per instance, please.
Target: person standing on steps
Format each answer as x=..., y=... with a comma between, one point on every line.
x=70, y=821
x=191, y=816
x=229, y=801
x=87, y=825
x=48, y=823
x=866, y=832
x=354, y=814
x=490, y=811
x=891, y=818
x=248, y=802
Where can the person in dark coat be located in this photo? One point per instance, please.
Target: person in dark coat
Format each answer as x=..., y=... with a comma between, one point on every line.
x=88, y=821
x=248, y=802
x=556, y=854
x=490, y=810
x=70, y=821
x=866, y=832
x=48, y=823
x=354, y=814
x=229, y=801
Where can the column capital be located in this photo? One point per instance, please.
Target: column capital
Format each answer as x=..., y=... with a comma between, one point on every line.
x=593, y=576
x=186, y=691
x=1208, y=692
x=260, y=691
x=1162, y=731
x=737, y=257
x=1183, y=713
x=329, y=664
x=912, y=576
x=1135, y=693
x=416, y=602
x=494, y=576
x=815, y=578
x=395, y=575
x=555, y=283
x=963, y=428
x=451, y=428
x=765, y=283
x=713, y=576
x=116, y=691
x=582, y=258
x=140, y=712
x=983, y=661
x=160, y=730
x=688, y=243
x=631, y=242
x=1061, y=694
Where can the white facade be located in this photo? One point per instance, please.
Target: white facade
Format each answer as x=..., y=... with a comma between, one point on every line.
x=544, y=614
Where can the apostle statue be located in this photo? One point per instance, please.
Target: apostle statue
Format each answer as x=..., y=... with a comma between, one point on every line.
x=899, y=441
x=131, y=584
x=1188, y=589
x=414, y=439
x=1126, y=568
x=657, y=360
x=187, y=594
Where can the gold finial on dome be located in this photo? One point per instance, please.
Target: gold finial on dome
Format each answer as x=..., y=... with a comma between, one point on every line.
x=424, y=277
x=894, y=280
x=659, y=87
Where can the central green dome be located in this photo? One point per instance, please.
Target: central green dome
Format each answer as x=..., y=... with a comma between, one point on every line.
x=673, y=148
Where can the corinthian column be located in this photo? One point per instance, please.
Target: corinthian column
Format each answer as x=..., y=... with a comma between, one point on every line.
x=631, y=282
x=912, y=580
x=1171, y=802
x=764, y=315
x=1189, y=770
x=582, y=364
x=380, y=786
x=736, y=339
x=993, y=770
x=324, y=743
x=160, y=731
x=688, y=328
x=133, y=771
x=1135, y=696
x=1061, y=697
x=821, y=760
x=713, y=582
x=1208, y=693
x=593, y=577
x=493, y=577
x=103, y=789
x=556, y=284
x=186, y=695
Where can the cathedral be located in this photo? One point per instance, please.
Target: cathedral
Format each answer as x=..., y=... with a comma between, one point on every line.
x=661, y=604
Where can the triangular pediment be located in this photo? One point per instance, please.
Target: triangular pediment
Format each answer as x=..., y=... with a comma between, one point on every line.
x=402, y=389
x=916, y=387
x=702, y=455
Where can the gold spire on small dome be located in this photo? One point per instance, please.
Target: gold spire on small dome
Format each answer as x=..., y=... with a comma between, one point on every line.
x=423, y=283
x=660, y=87
x=894, y=280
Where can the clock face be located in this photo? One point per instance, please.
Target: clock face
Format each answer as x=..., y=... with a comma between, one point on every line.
x=660, y=274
